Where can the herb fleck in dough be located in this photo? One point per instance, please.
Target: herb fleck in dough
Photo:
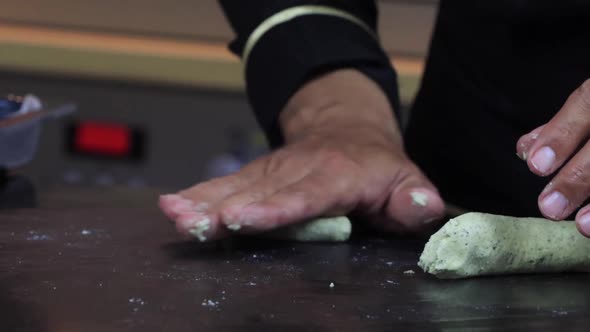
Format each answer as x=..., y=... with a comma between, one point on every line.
x=477, y=244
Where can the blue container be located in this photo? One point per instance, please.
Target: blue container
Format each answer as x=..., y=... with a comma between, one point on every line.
x=18, y=141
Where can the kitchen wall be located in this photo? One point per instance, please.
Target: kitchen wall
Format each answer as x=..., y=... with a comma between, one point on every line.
x=160, y=65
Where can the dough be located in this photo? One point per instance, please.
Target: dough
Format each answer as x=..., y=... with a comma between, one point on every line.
x=477, y=244
x=318, y=230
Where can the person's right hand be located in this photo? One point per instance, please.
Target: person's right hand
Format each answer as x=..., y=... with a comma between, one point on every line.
x=343, y=154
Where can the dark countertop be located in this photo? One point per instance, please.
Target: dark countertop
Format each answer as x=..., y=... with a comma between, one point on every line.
x=108, y=261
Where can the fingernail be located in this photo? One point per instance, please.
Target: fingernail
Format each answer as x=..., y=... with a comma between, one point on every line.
x=173, y=205
x=554, y=204
x=181, y=206
x=584, y=224
x=525, y=144
x=170, y=197
x=419, y=198
x=543, y=159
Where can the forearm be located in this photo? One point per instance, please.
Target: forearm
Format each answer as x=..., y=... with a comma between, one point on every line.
x=290, y=54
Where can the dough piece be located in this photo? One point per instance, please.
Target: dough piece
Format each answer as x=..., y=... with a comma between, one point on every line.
x=318, y=230
x=475, y=244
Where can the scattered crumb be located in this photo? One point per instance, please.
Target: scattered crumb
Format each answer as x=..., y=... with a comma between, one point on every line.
x=200, y=228
x=409, y=272
x=331, y=285
x=209, y=303
x=35, y=236
x=136, y=300
x=559, y=312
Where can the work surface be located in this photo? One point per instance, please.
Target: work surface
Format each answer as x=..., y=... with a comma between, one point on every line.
x=108, y=261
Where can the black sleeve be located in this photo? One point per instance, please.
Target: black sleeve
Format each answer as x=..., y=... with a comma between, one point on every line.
x=293, y=52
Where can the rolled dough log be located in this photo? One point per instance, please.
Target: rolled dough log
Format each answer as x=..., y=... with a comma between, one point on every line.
x=336, y=229
x=476, y=244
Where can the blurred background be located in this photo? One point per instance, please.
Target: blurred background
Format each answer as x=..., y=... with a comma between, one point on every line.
x=155, y=76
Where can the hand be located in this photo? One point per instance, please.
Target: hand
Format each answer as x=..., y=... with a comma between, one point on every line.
x=563, y=141
x=343, y=154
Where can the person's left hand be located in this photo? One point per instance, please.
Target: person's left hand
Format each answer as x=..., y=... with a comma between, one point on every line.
x=563, y=141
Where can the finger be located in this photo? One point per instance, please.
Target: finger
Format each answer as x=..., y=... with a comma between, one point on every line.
x=315, y=195
x=257, y=192
x=173, y=205
x=201, y=196
x=569, y=188
x=277, y=176
x=563, y=134
x=188, y=208
x=214, y=190
x=414, y=202
x=583, y=221
x=525, y=143
x=198, y=198
x=203, y=227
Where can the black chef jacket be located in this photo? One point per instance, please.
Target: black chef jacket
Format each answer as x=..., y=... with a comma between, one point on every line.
x=495, y=70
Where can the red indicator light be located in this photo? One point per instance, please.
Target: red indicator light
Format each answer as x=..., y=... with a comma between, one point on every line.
x=107, y=139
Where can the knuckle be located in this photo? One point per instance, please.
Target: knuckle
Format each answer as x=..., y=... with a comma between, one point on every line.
x=304, y=200
x=565, y=130
x=227, y=183
x=274, y=163
x=228, y=214
x=577, y=175
x=332, y=155
x=336, y=161
x=295, y=202
x=583, y=94
x=253, y=195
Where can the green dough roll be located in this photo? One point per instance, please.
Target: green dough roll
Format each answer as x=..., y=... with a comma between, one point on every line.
x=476, y=244
x=335, y=229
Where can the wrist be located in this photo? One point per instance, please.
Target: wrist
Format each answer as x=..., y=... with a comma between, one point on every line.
x=343, y=100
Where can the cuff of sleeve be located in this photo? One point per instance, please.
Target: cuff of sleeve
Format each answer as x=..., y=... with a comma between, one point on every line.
x=290, y=54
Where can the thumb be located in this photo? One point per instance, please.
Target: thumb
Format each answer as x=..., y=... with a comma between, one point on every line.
x=414, y=202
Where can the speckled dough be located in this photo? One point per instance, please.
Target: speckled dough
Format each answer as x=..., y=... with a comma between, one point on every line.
x=318, y=230
x=476, y=244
